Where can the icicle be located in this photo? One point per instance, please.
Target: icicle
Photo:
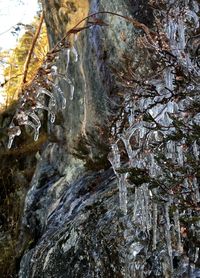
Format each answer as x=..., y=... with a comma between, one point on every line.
x=196, y=257
x=142, y=207
x=135, y=204
x=63, y=99
x=171, y=29
x=142, y=132
x=63, y=103
x=41, y=106
x=123, y=194
x=36, y=135
x=68, y=81
x=75, y=37
x=180, y=157
x=75, y=53
x=57, y=88
x=196, y=150
x=171, y=149
x=52, y=103
x=147, y=205
x=168, y=78
x=116, y=157
x=52, y=117
x=54, y=70
x=181, y=34
x=196, y=189
x=155, y=225
x=31, y=124
x=65, y=78
x=193, y=16
x=35, y=117
x=48, y=93
x=136, y=248
x=68, y=58
x=12, y=132
x=10, y=141
x=115, y=161
x=153, y=169
x=21, y=117
x=177, y=228
x=168, y=236
x=71, y=92
x=130, y=152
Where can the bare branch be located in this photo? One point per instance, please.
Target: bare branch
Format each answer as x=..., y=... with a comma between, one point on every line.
x=28, y=59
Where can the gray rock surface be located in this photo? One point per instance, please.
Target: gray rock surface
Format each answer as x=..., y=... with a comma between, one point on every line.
x=72, y=216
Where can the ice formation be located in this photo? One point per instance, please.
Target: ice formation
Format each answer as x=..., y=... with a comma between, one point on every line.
x=155, y=138
x=44, y=85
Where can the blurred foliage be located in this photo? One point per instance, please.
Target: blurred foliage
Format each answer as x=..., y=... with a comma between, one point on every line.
x=17, y=165
x=16, y=58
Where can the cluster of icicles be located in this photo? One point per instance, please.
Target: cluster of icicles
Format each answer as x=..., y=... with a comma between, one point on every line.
x=43, y=87
x=142, y=142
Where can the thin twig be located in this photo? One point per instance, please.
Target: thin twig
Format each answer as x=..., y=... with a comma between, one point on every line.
x=28, y=58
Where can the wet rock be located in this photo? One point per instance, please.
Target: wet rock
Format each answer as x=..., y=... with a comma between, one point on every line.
x=76, y=222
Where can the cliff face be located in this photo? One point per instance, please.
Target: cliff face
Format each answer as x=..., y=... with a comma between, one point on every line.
x=78, y=222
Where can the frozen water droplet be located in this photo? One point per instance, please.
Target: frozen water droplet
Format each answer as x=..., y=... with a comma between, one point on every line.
x=10, y=141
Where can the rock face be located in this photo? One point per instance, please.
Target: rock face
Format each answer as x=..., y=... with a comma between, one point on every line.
x=72, y=221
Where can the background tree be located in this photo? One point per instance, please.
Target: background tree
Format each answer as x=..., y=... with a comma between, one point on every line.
x=14, y=71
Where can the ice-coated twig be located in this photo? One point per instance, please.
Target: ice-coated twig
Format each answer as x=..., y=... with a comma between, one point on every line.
x=29, y=123
x=51, y=114
x=41, y=106
x=21, y=117
x=35, y=118
x=48, y=93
